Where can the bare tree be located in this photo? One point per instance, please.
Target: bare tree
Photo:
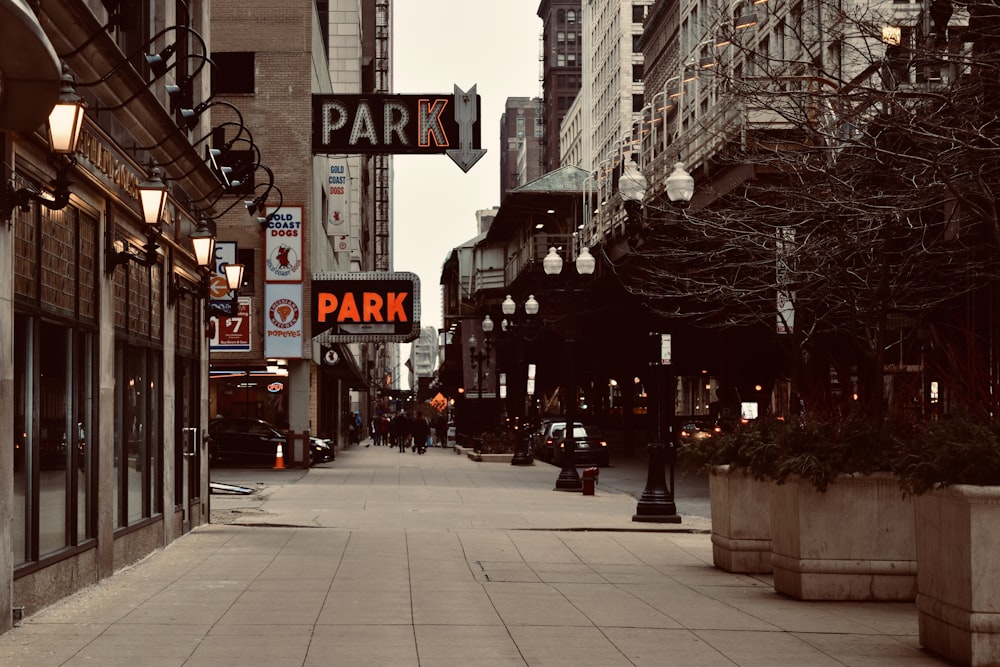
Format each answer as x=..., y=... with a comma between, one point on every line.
x=869, y=229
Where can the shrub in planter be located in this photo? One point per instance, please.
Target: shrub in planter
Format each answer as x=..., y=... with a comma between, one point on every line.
x=954, y=464
x=840, y=529
x=501, y=442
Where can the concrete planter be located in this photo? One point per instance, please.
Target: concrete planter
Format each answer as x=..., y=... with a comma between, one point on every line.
x=958, y=581
x=853, y=542
x=741, y=521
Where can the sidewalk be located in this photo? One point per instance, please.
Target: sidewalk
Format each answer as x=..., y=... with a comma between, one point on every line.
x=383, y=558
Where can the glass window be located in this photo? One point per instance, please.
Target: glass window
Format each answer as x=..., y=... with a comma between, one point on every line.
x=53, y=497
x=138, y=450
x=570, y=16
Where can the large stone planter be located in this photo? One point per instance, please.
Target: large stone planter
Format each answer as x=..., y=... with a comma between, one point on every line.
x=958, y=580
x=741, y=521
x=853, y=542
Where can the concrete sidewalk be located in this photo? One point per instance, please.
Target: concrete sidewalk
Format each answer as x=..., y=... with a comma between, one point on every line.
x=383, y=558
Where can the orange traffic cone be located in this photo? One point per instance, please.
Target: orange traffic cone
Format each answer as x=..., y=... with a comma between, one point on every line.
x=279, y=461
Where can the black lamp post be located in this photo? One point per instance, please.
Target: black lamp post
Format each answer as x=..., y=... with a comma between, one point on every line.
x=521, y=330
x=569, y=479
x=656, y=504
x=480, y=356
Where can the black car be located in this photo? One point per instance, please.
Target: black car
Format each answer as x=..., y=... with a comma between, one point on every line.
x=255, y=441
x=591, y=447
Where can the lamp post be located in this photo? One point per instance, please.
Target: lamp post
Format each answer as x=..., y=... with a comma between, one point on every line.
x=569, y=479
x=656, y=504
x=520, y=328
x=480, y=356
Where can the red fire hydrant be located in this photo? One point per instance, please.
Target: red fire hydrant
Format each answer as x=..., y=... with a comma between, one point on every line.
x=589, y=480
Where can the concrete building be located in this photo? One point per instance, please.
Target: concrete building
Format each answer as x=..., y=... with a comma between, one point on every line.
x=613, y=75
x=109, y=320
x=520, y=142
x=561, y=64
x=325, y=215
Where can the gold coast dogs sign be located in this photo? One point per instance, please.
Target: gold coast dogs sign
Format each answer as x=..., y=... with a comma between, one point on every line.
x=366, y=307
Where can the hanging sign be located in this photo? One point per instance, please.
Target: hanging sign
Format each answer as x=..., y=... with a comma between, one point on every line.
x=373, y=306
x=283, y=245
x=394, y=124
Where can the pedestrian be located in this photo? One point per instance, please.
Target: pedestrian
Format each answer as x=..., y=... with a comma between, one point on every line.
x=441, y=429
x=421, y=432
x=357, y=428
x=373, y=430
x=400, y=427
x=383, y=429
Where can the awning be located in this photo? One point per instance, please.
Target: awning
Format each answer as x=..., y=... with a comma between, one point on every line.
x=30, y=73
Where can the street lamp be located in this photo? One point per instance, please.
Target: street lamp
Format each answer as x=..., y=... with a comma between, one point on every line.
x=656, y=504
x=521, y=329
x=480, y=357
x=569, y=479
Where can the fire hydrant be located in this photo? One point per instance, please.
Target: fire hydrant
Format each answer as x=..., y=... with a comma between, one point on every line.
x=589, y=480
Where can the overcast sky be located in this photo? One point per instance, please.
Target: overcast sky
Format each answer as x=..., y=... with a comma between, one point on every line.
x=438, y=44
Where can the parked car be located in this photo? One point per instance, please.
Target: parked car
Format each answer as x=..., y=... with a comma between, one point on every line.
x=591, y=448
x=696, y=431
x=255, y=441
x=542, y=439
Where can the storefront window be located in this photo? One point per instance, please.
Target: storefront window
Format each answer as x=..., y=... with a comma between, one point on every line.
x=53, y=462
x=137, y=446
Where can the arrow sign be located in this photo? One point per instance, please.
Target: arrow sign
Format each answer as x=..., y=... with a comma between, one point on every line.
x=466, y=114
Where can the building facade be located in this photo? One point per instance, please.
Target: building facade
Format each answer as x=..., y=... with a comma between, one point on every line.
x=520, y=142
x=119, y=343
x=562, y=66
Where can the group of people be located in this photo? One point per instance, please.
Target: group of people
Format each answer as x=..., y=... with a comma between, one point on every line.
x=402, y=431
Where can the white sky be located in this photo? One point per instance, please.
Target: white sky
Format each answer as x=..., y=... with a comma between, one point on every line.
x=494, y=45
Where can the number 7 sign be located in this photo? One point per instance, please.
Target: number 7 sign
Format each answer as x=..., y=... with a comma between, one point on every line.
x=232, y=334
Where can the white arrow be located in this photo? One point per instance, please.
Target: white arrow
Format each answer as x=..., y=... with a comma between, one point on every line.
x=465, y=115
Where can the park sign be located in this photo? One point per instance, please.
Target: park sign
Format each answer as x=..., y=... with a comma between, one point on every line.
x=378, y=306
x=376, y=124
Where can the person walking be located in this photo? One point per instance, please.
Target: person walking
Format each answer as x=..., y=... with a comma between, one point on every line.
x=441, y=429
x=400, y=428
x=383, y=429
x=421, y=432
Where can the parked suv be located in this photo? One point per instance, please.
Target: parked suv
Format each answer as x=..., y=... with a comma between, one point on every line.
x=255, y=441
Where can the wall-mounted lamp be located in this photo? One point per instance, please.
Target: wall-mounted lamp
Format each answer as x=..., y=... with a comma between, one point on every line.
x=203, y=243
x=118, y=251
x=153, y=196
x=21, y=198
x=66, y=118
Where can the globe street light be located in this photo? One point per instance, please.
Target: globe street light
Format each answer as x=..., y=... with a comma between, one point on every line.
x=521, y=329
x=569, y=479
x=480, y=357
x=656, y=504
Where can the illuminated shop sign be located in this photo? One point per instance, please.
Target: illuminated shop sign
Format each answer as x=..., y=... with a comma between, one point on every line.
x=377, y=306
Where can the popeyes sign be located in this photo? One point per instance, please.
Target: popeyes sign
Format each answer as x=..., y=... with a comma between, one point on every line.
x=366, y=307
